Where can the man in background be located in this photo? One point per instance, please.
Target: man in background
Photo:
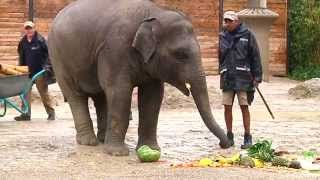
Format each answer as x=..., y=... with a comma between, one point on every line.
x=240, y=71
x=33, y=52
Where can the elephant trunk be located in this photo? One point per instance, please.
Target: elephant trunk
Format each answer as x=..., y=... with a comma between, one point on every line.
x=201, y=98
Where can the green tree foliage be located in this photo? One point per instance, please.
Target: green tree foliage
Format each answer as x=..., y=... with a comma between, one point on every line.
x=304, y=38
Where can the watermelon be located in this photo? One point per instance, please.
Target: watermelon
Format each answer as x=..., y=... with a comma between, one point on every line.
x=146, y=154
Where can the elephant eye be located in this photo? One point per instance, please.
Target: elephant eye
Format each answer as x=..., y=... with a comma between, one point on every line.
x=181, y=56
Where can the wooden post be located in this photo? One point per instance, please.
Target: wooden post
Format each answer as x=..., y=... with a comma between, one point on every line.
x=220, y=15
x=31, y=11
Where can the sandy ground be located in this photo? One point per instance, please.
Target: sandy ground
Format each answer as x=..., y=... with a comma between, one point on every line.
x=42, y=149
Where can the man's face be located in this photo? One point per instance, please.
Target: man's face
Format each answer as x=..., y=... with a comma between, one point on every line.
x=29, y=31
x=231, y=25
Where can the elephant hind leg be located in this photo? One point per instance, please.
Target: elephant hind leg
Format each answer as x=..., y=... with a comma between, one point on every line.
x=100, y=104
x=83, y=123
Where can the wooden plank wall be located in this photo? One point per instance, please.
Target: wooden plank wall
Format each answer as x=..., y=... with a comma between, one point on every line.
x=12, y=16
x=203, y=13
x=45, y=11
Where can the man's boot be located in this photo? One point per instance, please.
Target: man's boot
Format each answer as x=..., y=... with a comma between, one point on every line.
x=247, y=141
x=23, y=117
x=51, y=116
x=230, y=138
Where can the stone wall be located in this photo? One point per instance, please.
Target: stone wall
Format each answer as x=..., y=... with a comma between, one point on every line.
x=203, y=13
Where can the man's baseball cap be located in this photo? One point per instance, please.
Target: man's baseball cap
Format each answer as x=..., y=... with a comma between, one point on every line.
x=233, y=16
x=28, y=24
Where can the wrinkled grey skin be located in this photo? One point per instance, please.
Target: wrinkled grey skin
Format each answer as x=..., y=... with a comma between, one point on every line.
x=104, y=48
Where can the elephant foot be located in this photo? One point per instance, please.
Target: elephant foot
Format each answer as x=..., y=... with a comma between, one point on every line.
x=101, y=135
x=152, y=145
x=87, y=139
x=117, y=149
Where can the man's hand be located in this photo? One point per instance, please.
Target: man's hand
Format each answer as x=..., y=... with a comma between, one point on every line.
x=255, y=83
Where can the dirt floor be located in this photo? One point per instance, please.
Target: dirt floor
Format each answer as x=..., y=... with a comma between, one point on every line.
x=42, y=149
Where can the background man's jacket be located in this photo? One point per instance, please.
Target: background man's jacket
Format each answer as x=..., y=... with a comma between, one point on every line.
x=239, y=60
x=34, y=54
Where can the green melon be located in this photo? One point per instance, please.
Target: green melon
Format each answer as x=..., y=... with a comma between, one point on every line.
x=146, y=154
x=246, y=161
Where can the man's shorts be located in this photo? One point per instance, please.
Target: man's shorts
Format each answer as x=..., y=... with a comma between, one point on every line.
x=228, y=97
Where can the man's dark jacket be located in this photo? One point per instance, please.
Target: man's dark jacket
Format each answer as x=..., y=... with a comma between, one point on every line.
x=34, y=54
x=239, y=60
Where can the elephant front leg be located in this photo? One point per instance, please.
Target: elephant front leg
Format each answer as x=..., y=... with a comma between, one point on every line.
x=83, y=123
x=150, y=98
x=119, y=103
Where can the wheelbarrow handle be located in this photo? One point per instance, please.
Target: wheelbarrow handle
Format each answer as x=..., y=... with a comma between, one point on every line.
x=33, y=79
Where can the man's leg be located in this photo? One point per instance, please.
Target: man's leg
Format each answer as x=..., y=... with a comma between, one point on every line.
x=243, y=101
x=245, y=118
x=228, y=117
x=46, y=100
x=25, y=117
x=227, y=101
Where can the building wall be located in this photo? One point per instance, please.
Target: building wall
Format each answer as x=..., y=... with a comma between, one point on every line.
x=203, y=13
x=205, y=18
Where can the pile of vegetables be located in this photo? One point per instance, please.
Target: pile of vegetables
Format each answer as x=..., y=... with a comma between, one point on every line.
x=259, y=155
x=262, y=150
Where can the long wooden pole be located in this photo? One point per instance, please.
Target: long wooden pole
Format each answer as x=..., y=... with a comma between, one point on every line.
x=265, y=102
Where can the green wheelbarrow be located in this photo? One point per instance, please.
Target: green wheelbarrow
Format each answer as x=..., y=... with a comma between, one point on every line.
x=16, y=85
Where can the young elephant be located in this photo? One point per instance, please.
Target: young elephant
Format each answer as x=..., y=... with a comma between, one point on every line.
x=104, y=48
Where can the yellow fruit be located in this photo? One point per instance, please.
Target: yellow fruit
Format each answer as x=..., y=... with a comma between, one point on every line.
x=258, y=163
x=222, y=160
x=205, y=162
x=229, y=161
x=216, y=164
x=235, y=158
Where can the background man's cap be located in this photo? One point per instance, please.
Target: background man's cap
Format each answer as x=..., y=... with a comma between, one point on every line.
x=28, y=24
x=231, y=15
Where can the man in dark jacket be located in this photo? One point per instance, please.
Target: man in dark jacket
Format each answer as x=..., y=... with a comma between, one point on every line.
x=33, y=52
x=240, y=71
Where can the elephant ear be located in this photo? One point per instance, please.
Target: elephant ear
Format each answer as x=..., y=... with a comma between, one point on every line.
x=145, y=40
